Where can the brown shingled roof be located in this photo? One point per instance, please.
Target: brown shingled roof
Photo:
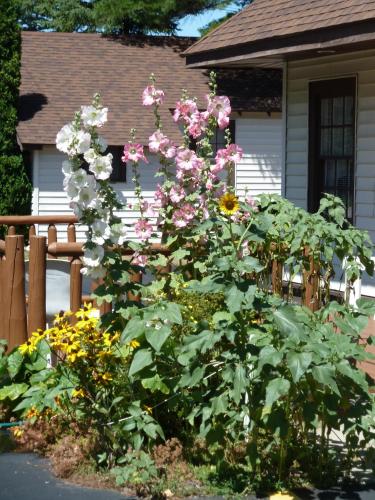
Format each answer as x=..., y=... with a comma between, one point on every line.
x=62, y=71
x=270, y=19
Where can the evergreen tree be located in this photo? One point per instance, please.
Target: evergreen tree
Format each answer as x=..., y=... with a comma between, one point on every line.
x=236, y=6
x=15, y=186
x=111, y=16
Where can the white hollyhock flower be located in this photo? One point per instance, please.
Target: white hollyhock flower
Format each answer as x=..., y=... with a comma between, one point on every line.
x=82, y=142
x=102, y=167
x=77, y=210
x=65, y=137
x=87, y=197
x=102, y=143
x=93, y=117
x=67, y=167
x=101, y=231
x=93, y=256
x=95, y=273
x=118, y=233
x=90, y=155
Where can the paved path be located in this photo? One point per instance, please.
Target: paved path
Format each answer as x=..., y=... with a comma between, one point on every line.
x=25, y=476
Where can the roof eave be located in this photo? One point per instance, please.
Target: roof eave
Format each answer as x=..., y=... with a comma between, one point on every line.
x=273, y=51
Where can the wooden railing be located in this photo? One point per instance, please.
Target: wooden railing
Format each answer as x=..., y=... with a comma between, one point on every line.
x=21, y=315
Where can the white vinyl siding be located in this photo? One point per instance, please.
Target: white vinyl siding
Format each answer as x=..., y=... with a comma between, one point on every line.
x=260, y=170
x=299, y=74
x=53, y=200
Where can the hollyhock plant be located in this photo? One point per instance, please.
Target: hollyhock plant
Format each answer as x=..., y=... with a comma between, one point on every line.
x=133, y=152
x=151, y=96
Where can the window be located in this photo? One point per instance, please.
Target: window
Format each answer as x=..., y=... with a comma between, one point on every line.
x=119, y=167
x=332, y=141
x=218, y=140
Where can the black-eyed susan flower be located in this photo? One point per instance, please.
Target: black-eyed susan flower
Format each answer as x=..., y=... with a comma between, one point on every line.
x=229, y=204
x=28, y=347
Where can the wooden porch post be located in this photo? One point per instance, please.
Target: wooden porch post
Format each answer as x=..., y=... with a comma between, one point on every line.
x=75, y=285
x=311, y=296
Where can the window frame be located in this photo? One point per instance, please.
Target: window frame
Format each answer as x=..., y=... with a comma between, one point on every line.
x=319, y=90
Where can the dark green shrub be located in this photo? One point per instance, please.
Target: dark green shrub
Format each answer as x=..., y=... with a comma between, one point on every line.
x=15, y=186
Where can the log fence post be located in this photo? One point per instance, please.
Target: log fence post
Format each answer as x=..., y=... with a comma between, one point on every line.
x=37, y=284
x=277, y=277
x=75, y=286
x=15, y=301
x=2, y=297
x=52, y=237
x=310, y=280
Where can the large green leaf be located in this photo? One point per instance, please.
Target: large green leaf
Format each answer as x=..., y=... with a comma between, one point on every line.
x=169, y=311
x=155, y=383
x=234, y=299
x=240, y=383
x=277, y=388
x=134, y=329
x=286, y=320
x=157, y=337
x=13, y=391
x=325, y=374
x=15, y=360
x=298, y=362
x=142, y=358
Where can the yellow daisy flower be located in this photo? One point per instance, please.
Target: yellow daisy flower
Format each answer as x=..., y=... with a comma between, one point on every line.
x=78, y=393
x=134, y=344
x=229, y=204
x=27, y=348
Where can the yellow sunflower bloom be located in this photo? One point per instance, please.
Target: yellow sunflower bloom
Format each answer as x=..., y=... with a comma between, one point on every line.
x=134, y=344
x=229, y=204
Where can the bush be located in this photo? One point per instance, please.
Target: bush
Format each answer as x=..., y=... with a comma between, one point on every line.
x=15, y=186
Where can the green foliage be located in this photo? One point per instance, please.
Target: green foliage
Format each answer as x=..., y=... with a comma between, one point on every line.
x=111, y=16
x=137, y=468
x=15, y=187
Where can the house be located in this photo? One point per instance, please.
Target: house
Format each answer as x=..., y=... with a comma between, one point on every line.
x=326, y=49
x=62, y=71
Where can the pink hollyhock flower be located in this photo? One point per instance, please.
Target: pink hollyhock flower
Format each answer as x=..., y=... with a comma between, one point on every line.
x=186, y=159
x=184, y=109
x=152, y=96
x=177, y=194
x=219, y=106
x=160, y=197
x=133, y=152
x=231, y=154
x=140, y=260
x=148, y=209
x=183, y=216
x=179, y=219
x=157, y=141
x=197, y=124
x=143, y=229
x=252, y=203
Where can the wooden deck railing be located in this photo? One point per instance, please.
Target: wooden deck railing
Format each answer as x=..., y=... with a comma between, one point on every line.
x=21, y=315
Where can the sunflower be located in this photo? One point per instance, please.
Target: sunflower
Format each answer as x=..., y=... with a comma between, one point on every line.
x=228, y=204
